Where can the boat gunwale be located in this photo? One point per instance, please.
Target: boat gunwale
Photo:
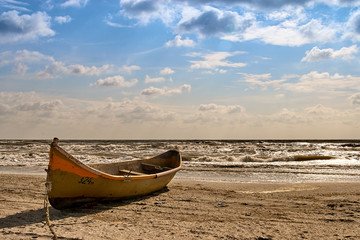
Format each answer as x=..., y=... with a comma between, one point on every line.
x=55, y=146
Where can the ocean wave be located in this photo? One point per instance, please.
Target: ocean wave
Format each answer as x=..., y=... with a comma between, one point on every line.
x=30, y=152
x=250, y=159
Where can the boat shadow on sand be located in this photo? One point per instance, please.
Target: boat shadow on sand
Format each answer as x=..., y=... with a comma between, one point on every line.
x=34, y=216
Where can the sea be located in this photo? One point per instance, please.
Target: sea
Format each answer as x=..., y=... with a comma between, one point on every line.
x=261, y=161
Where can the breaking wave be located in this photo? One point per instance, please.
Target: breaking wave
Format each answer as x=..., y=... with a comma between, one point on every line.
x=251, y=159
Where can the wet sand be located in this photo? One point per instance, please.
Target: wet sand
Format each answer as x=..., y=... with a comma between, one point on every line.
x=189, y=209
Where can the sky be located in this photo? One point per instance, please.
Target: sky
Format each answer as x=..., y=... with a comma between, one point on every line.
x=177, y=69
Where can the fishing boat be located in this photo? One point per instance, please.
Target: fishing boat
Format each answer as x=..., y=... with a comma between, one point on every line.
x=71, y=183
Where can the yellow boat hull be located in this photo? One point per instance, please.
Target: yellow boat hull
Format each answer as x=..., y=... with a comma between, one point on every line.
x=71, y=183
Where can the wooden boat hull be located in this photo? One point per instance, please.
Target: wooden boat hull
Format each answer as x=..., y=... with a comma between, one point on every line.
x=71, y=183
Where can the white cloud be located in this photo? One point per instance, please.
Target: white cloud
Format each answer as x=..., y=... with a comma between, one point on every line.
x=266, y=4
x=130, y=111
x=75, y=3
x=284, y=23
x=308, y=83
x=323, y=82
x=286, y=116
x=145, y=11
x=213, y=21
x=178, y=42
x=77, y=69
x=23, y=56
x=352, y=27
x=223, y=71
x=21, y=68
x=214, y=60
x=316, y=54
x=23, y=59
x=4, y=109
x=295, y=31
x=291, y=27
x=109, y=20
x=279, y=15
x=221, y=115
x=130, y=69
x=5, y=58
x=115, y=81
x=53, y=68
x=346, y=2
x=14, y=4
x=314, y=118
x=63, y=19
x=39, y=106
x=319, y=110
x=230, y=109
x=262, y=80
x=288, y=16
x=152, y=91
x=154, y=80
x=316, y=31
x=15, y=27
x=185, y=88
x=114, y=24
x=208, y=107
x=355, y=99
x=188, y=12
x=31, y=115
x=51, y=71
x=18, y=104
x=167, y=71
x=82, y=70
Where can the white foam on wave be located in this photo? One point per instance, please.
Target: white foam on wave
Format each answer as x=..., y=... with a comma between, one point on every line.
x=276, y=152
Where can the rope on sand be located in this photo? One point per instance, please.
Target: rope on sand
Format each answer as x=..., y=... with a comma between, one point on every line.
x=46, y=206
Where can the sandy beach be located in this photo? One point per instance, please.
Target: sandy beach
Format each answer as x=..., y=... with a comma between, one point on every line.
x=189, y=209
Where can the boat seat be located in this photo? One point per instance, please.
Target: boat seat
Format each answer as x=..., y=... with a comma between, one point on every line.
x=130, y=172
x=154, y=168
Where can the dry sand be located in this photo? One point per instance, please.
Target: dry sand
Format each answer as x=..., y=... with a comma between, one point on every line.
x=189, y=210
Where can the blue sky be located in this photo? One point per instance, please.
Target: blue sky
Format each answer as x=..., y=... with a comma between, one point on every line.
x=171, y=69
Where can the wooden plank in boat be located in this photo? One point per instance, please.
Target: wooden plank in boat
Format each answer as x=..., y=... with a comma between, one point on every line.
x=126, y=171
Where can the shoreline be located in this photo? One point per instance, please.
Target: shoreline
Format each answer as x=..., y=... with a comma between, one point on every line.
x=189, y=209
x=235, y=175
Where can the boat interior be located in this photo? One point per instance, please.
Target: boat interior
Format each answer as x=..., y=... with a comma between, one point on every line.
x=128, y=168
x=140, y=167
x=161, y=163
